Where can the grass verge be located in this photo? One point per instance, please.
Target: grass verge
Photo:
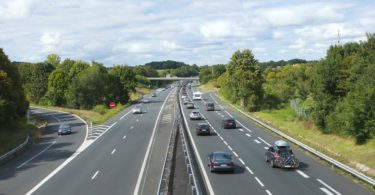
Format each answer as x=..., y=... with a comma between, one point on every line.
x=13, y=133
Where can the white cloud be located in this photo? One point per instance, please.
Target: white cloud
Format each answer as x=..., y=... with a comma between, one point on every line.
x=217, y=29
x=51, y=39
x=136, y=32
x=15, y=9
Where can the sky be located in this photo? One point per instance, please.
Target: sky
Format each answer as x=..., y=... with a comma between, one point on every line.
x=202, y=32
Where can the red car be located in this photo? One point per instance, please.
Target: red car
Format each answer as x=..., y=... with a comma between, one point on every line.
x=229, y=123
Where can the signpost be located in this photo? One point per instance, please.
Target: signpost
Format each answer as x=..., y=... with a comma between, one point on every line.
x=112, y=105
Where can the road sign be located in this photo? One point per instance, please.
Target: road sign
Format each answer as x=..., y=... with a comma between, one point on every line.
x=112, y=105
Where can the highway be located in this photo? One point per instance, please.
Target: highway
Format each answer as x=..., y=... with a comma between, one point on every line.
x=252, y=174
x=116, y=161
x=22, y=173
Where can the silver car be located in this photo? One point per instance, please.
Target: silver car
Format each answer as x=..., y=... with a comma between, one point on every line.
x=195, y=115
x=137, y=110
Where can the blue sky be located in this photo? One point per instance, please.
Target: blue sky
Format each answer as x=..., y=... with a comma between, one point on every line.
x=199, y=32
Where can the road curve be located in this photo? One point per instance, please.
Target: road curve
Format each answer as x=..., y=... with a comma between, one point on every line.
x=22, y=173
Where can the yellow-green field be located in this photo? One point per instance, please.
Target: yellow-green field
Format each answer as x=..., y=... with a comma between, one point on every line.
x=339, y=147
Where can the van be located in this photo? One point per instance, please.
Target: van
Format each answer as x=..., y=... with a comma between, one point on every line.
x=197, y=95
x=210, y=106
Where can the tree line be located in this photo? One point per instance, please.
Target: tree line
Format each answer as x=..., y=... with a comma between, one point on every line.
x=337, y=93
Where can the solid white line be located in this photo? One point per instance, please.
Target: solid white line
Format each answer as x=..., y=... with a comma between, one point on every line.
x=221, y=138
x=240, y=130
x=235, y=153
x=86, y=143
x=225, y=143
x=326, y=191
x=230, y=148
x=139, y=180
x=260, y=183
x=32, y=158
x=113, y=151
x=258, y=142
x=329, y=187
x=124, y=137
x=250, y=171
x=248, y=135
x=241, y=161
x=229, y=114
x=302, y=174
x=113, y=124
x=268, y=192
x=95, y=174
x=264, y=141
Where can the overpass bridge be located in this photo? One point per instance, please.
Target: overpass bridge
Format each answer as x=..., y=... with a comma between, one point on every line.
x=173, y=78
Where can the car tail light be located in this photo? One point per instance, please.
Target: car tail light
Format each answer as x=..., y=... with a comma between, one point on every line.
x=276, y=155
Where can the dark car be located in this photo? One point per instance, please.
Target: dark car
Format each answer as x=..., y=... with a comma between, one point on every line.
x=281, y=155
x=190, y=106
x=210, y=106
x=153, y=95
x=64, y=129
x=229, y=123
x=220, y=161
x=202, y=129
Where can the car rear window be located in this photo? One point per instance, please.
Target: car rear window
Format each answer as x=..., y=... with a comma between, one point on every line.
x=222, y=156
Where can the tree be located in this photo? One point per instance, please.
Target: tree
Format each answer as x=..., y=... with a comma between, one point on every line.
x=53, y=59
x=58, y=83
x=13, y=103
x=87, y=89
x=244, y=79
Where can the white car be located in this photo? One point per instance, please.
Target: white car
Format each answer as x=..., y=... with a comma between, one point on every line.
x=183, y=96
x=137, y=110
x=146, y=101
x=195, y=115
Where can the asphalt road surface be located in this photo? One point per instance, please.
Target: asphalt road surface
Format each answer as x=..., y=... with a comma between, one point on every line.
x=252, y=174
x=112, y=163
x=22, y=173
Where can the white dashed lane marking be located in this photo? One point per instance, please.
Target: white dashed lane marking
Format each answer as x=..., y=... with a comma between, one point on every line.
x=240, y=130
x=113, y=151
x=260, y=183
x=124, y=137
x=258, y=142
x=326, y=191
x=250, y=171
x=329, y=187
x=235, y=154
x=302, y=174
x=241, y=161
x=248, y=135
x=268, y=192
x=264, y=141
x=95, y=174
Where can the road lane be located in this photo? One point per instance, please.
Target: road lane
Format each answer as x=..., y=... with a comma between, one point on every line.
x=116, y=173
x=20, y=174
x=250, y=144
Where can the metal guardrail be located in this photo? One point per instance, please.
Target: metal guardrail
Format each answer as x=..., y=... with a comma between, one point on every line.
x=16, y=149
x=334, y=162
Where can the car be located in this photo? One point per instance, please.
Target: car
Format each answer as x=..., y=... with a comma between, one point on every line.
x=210, y=106
x=281, y=155
x=183, y=96
x=153, y=95
x=186, y=101
x=220, y=161
x=195, y=115
x=197, y=95
x=190, y=106
x=146, y=101
x=229, y=123
x=202, y=129
x=137, y=110
x=64, y=129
